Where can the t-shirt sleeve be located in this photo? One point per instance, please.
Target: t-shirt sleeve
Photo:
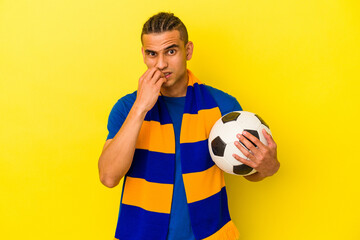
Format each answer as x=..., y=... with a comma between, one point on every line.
x=225, y=101
x=236, y=106
x=119, y=113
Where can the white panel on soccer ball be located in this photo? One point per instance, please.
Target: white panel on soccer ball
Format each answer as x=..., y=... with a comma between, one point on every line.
x=228, y=154
x=229, y=130
x=223, y=164
x=247, y=121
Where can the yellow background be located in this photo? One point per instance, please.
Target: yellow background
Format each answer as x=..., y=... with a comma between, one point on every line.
x=64, y=64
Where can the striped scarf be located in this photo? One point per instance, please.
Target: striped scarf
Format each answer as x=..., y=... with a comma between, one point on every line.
x=148, y=185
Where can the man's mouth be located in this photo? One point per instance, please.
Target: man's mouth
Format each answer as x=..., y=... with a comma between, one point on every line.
x=167, y=74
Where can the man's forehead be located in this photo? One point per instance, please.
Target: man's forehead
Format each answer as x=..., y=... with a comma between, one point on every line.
x=158, y=41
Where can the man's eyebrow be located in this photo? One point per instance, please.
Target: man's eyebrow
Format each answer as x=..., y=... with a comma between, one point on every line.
x=171, y=46
x=149, y=51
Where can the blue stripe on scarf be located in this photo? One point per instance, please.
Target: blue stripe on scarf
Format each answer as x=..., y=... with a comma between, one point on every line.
x=155, y=114
x=153, y=227
x=153, y=166
x=199, y=151
x=196, y=102
x=204, y=212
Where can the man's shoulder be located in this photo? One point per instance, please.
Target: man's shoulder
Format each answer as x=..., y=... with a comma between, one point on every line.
x=225, y=101
x=217, y=93
x=125, y=103
x=119, y=113
x=128, y=98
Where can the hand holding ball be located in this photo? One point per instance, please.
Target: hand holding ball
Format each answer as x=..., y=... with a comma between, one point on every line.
x=223, y=135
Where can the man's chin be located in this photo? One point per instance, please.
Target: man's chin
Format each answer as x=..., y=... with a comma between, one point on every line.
x=167, y=83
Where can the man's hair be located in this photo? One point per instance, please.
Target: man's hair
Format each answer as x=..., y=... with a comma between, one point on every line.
x=163, y=22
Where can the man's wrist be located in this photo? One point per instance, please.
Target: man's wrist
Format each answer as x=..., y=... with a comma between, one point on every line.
x=138, y=110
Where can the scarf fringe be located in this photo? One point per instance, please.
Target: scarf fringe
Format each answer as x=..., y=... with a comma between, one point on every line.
x=227, y=232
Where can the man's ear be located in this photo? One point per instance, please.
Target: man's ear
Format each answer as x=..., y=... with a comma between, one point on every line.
x=189, y=50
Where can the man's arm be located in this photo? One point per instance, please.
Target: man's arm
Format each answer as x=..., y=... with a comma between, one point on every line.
x=117, y=154
x=116, y=157
x=255, y=177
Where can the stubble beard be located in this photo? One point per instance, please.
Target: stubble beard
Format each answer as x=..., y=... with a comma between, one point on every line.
x=174, y=82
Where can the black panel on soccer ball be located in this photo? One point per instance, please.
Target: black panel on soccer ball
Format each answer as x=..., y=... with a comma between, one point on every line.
x=262, y=121
x=242, y=169
x=230, y=117
x=218, y=146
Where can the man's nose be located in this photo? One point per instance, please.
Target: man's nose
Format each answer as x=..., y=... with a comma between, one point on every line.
x=161, y=62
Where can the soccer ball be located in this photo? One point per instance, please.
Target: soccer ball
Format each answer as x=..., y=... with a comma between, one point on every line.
x=223, y=135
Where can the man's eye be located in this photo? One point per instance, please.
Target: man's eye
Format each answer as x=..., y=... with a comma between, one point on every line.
x=152, y=54
x=171, y=51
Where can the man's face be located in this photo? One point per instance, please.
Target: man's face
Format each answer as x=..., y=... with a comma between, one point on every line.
x=167, y=52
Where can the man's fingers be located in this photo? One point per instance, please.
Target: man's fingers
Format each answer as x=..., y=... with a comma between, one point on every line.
x=149, y=73
x=249, y=142
x=244, y=161
x=269, y=138
x=253, y=139
x=160, y=82
x=245, y=151
x=155, y=77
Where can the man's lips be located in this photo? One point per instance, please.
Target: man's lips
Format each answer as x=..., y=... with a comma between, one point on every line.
x=167, y=74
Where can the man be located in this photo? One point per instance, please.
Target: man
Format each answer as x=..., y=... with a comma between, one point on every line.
x=158, y=141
